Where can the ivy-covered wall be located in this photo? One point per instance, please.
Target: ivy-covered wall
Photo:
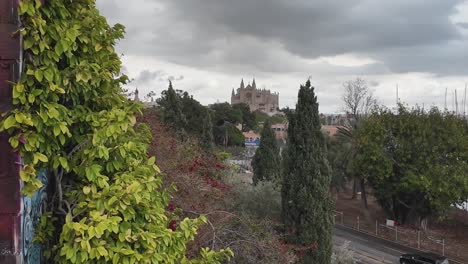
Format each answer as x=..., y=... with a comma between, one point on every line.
x=107, y=200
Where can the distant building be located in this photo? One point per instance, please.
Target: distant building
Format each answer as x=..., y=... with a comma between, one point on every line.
x=281, y=131
x=330, y=130
x=251, y=138
x=335, y=119
x=257, y=99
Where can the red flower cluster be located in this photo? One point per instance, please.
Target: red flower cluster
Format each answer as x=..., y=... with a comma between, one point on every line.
x=195, y=164
x=171, y=207
x=219, y=166
x=216, y=184
x=172, y=225
x=206, y=163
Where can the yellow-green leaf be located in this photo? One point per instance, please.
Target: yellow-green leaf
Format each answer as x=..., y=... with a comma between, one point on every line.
x=151, y=160
x=86, y=190
x=41, y=157
x=9, y=122
x=39, y=75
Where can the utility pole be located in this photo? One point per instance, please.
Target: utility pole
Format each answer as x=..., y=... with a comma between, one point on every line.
x=397, y=99
x=453, y=102
x=464, y=104
x=445, y=104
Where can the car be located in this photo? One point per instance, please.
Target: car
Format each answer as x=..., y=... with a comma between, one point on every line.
x=423, y=258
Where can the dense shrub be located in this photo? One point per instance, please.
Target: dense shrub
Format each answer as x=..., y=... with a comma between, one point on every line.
x=262, y=201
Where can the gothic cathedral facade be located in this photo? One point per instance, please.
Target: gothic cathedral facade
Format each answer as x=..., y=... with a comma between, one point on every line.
x=257, y=99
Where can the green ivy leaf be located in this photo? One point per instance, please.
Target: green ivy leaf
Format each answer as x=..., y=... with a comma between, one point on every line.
x=151, y=160
x=9, y=122
x=28, y=43
x=39, y=75
x=86, y=190
x=40, y=157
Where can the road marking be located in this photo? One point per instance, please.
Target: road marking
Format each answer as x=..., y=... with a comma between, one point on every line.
x=372, y=259
x=395, y=250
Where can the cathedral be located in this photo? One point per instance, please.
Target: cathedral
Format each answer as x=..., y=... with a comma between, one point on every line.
x=257, y=99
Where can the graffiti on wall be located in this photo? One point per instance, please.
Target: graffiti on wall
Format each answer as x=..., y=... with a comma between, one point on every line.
x=32, y=209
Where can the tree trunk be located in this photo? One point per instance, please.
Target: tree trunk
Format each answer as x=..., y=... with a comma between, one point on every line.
x=225, y=138
x=354, y=188
x=423, y=223
x=363, y=194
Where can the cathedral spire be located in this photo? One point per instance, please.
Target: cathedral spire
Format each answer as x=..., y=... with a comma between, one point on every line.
x=253, y=84
x=232, y=94
x=242, y=84
x=136, y=99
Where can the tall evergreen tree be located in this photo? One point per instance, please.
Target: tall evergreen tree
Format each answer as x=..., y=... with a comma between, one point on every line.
x=207, y=138
x=266, y=161
x=306, y=202
x=172, y=109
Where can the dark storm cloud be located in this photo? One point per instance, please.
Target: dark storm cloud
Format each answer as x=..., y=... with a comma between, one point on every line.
x=146, y=77
x=279, y=35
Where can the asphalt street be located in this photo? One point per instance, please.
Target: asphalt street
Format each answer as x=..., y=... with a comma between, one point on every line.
x=367, y=250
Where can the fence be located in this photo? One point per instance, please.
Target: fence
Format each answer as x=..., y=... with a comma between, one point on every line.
x=413, y=238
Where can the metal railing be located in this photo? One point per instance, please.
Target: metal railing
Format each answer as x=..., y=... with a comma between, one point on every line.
x=415, y=239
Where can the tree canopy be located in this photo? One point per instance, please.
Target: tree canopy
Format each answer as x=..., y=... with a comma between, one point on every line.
x=415, y=160
x=225, y=119
x=186, y=115
x=248, y=118
x=172, y=109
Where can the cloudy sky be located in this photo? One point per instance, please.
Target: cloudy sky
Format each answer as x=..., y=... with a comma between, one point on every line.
x=207, y=46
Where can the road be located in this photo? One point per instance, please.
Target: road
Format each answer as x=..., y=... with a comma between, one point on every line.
x=368, y=250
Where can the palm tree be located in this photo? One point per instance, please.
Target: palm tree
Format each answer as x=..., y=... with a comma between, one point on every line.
x=347, y=136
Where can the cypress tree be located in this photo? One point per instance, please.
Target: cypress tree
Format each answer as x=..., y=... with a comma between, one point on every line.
x=306, y=202
x=266, y=161
x=207, y=138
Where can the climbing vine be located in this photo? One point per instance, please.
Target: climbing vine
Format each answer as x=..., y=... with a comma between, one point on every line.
x=72, y=118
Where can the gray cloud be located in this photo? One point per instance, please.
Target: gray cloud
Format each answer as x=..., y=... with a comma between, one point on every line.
x=146, y=77
x=373, y=83
x=277, y=35
x=463, y=25
x=150, y=79
x=172, y=78
x=419, y=44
